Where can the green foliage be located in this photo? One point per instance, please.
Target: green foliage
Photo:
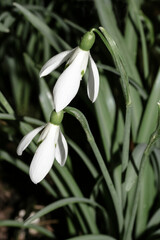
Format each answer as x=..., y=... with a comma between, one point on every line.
x=109, y=186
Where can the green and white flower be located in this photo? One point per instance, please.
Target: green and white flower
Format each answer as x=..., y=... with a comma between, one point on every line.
x=52, y=145
x=68, y=83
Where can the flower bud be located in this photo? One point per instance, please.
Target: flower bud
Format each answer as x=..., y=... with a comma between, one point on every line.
x=56, y=117
x=87, y=41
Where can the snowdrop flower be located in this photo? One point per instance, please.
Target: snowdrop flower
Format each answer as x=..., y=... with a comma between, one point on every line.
x=68, y=83
x=52, y=145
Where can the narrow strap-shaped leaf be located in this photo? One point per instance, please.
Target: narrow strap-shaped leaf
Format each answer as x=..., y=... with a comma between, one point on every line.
x=138, y=22
x=150, y=114
x=139, y=89
x=6, y=104
x=3, y=28
x=92, y=237
x=108, y=21
x=45, y=99
x=14, y=223
x=52, y=37
x=62, y=203
x=131, y=38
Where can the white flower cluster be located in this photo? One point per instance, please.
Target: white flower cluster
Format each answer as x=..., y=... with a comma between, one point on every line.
x=52, y=144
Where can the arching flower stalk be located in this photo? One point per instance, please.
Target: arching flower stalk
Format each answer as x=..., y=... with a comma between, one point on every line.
x=68, y=83
x=52, y=145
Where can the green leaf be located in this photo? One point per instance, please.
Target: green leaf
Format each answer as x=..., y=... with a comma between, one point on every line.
x=92, y=237
x=133, y=166
x=13, y=223
x=7, y=116
x=33, y=121
x=119, y=62
x=105, y=112
x=64, y=192
x=146, y=199
x=51, y=36
x=81, y=118
x=108, y=21
x=45, y=99
x=19, y=87
x=142, y=92
x=62, y=203
x=155, y=220
x=138, y=22
x=69, y=180
x=3, y=28
x=149, y=120
x=131, y=37
x=83, y=121
x=74, y=25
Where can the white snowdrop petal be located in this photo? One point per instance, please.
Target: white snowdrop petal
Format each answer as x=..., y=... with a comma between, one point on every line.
x=93, y=80
x=55, y=62
x=44, y=156
x=84, y=62
x=61, y=150
x=27, y=139
x=68, y=83
x=74, y=55
x=44, y=133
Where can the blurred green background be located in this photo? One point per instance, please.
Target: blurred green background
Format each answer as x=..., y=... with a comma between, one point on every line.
x=31, y=32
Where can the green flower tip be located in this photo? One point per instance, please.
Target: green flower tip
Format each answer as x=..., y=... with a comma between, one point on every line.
x=56, y=117
x=87, y=41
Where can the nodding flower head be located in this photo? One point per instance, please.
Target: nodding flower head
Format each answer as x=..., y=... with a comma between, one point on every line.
x=68, y=83
x=52, y=145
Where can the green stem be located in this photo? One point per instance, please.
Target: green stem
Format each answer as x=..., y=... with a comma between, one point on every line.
x=109, y=182
x=81, y=118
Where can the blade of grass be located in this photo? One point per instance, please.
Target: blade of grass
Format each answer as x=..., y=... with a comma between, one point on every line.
x=51, y=36
x=3, y=28
x=108, y=21
x=131, y=38
x=14, y=223
x=6, y=104
x=150, y=115
x=74, y=25
x=105, y=112
x=142, y=92
x=6, y=116
x=146, y=199
x=45, y=99
x=59, y=204
x=120, y=64
x=129, y=226
x=138, y=22
x=92, y=237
